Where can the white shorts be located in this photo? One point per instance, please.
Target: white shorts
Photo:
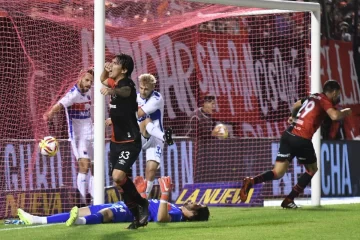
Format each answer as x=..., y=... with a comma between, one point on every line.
x=154, y=148
x=82, y=148
x=81, y=137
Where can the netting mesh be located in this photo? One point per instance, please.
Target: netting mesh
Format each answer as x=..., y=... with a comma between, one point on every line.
x=254, y=62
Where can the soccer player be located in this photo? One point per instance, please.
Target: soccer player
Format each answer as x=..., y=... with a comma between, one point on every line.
x=77, y=104
x=125, y=143
x=150, y=118
x=160, y=211
x=307, y=116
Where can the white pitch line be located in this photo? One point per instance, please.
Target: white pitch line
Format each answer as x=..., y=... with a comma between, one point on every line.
x=36, y=226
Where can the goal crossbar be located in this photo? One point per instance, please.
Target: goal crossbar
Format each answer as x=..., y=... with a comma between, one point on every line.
x=270, y=4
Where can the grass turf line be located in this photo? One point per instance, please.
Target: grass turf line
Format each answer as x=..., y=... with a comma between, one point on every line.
x=327, y=222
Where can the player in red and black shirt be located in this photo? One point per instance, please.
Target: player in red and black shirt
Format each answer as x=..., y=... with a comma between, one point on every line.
x=125, y=143
x=307, y=116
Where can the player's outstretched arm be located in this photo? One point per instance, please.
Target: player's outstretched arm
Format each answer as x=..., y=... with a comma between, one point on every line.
x=163, y=212
x=54, y=109
x=335, y=114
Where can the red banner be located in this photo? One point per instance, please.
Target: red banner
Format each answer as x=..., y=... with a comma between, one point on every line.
x=337, y=63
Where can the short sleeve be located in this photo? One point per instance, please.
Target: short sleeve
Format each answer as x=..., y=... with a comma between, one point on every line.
x=303, y=100
x=68, y=99
x=111, y=82
x=175, y=213
x=326, y=104
x=152, y=105
x=126, y=83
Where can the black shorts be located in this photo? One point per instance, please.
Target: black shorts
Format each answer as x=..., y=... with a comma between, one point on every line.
x=294, y=146
x=123, y=155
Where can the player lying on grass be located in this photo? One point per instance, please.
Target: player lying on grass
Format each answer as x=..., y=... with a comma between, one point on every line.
x=160, y=211
x=307, y=116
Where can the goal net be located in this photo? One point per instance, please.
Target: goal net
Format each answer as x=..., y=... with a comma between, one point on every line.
x=253, y=62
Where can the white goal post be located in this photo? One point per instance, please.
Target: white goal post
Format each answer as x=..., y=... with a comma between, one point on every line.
x=99, y=39
x=99, y=102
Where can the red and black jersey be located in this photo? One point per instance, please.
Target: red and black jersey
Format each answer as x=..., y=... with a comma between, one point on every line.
x=311, y=115
x=123, y=113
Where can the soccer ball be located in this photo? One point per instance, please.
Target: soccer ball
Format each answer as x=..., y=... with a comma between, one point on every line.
x=49, y=146
x=220, y=131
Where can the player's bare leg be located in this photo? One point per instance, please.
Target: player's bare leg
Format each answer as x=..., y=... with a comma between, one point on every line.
x=150, y=172
x=147, y=128
x=278, y=172
x=303, y=181
x=82, y=183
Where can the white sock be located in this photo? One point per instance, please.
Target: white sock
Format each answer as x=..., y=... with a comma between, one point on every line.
x=90, y=179
x=149, y=187
x=39, y=220
x=81, y=184
x=80, y=221
x=154, y=131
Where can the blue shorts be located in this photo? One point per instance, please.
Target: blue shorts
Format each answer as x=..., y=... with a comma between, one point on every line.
x=96, y=208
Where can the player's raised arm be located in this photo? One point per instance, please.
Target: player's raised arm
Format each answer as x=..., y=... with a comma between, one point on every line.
x=163, y=212
x=105, y=74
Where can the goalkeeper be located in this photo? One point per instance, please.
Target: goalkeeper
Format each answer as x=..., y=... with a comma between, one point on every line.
x=160, y=211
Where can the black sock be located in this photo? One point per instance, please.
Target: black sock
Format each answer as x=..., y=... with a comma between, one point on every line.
x=264, y=177
x=131, y=196
x=303, y=181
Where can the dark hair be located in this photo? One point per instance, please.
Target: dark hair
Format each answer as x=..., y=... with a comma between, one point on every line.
x=330, y=86
x=201, y=214
x=90, y=71
x=209, y=98
x=126, y=62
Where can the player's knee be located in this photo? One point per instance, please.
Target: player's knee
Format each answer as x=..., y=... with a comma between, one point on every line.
x=84, y=165
x=278, y=174
x=118, y=176
x=107, y=215
x=150, y=174
x=312, y=170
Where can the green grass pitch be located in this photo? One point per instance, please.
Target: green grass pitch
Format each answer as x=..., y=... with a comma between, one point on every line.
x=327, y=222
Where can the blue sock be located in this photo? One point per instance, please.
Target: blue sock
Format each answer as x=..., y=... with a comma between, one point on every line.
x=58, y=218
x=94, y=218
